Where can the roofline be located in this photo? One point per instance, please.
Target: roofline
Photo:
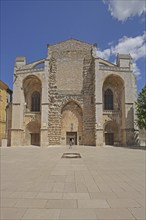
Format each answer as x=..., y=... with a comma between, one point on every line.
x=10, y=90
x=93, y=44
x=5, y=86
x=43, y=59
x=124, y=54
x=106, y=61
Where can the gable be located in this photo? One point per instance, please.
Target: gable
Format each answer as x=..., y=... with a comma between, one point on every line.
x=70, y=45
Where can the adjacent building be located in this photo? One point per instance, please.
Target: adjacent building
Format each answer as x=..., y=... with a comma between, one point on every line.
x=5, y=112
x=73, y=94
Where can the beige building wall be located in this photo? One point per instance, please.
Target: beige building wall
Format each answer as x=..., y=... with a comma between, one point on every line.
x=3, y=103
x=121, y=81
x=72, y=82
x=5, y=112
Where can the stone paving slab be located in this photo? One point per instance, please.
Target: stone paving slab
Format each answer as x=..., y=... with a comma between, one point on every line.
x=105, y=183
x=9, y=203
x=103, y=195
x=141, y=200
x=23, y=195
x=94, y=203
x=76, y=196
x=114, y=214
x=139, y=213
x=61, y=204
x=12, y=213
x=41, y=195
x=72, y=214
x=47, y=214
x=123, y=203
x=31, y=203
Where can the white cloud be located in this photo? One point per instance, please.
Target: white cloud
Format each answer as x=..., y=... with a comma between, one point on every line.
x=105, y=54
x=136, y=46
x=124, y=9
x=136, y=70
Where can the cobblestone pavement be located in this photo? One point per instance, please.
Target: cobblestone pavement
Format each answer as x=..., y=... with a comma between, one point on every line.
x=105, y=183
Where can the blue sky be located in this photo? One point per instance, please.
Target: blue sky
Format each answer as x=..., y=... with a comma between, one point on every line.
x=114, y=25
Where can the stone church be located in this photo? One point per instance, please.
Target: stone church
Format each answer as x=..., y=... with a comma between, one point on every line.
x=73, y=94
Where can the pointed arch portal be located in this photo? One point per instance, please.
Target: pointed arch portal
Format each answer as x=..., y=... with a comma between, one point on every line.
x=71, y=123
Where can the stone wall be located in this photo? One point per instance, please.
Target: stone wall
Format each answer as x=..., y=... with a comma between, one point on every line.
x=69, y=69
x=25, y=82
x=54, y=127
x=71, y=84
x=89, y=101
x=9, y=122
x=125, y=94
x=5, y=112
x=71, y=78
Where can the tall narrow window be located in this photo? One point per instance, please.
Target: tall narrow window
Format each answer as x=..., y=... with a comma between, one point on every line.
x=108, y=100
x=35, y=102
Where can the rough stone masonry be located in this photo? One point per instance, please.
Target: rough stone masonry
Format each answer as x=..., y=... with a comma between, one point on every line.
x=73, y=95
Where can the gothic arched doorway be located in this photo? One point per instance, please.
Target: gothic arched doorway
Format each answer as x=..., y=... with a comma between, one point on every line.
x=32, y=135
x=32, y=111
x=111, y=133
x=114, y=108
x=71, y=123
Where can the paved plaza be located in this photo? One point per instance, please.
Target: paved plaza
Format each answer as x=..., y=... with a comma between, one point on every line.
x=105, y=183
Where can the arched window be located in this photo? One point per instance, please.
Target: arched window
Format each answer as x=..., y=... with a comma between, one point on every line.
x=108, y=100
x=35, y=102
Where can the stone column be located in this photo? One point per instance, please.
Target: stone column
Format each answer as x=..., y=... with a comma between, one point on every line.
x=17, y=131
x=44, y=106
x=130, y=99
x=54, y=127
x=98, y=105
x=123, y=131
x=88, y=102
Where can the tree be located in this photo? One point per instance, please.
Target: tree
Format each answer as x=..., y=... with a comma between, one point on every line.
x=141, y=109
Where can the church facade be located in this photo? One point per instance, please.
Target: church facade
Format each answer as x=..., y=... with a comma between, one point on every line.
x=73, y=95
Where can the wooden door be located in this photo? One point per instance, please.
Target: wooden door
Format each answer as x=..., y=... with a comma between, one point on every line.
x=35, y=139
x=71, y=136
x=109, y=138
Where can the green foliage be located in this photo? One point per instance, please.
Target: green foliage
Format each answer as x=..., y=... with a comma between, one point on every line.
x=141, y=109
